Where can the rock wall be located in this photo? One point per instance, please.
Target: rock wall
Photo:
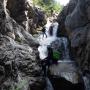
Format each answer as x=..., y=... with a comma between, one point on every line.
x=74, y=22
x=24, y=13
x=18, y=52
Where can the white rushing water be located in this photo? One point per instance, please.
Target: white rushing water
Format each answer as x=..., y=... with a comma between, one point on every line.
x=45, y=41
x=47, y=26
x=55, y=28
x=43, y=52
x=49, y=39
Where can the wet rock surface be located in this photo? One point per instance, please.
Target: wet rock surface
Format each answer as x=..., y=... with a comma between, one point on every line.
x=66, y=69
x=76, y=23
x=18, y=55
x=61, y=83
x=74, y=19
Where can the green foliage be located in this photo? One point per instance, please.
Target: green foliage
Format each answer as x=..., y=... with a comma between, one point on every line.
x=57, y=7
x=48, y=5
x=56, y=55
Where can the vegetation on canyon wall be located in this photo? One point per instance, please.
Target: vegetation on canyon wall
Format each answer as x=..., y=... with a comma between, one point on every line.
x=48, y=5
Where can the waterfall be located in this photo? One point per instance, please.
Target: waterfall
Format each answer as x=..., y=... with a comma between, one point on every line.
x=55, y=28
x=62, y=41
x=66, y=49
x=50, y=38
x=51, y=27
x=65, y=68
x=43, y=52
x=47, y=26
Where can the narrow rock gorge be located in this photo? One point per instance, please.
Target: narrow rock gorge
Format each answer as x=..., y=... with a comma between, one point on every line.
x=20, y=67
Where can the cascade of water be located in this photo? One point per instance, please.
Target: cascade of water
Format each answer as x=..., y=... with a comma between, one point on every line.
x=50, y=39
x=62, y=42
x=47, y=26
x=55, y=28
x=66, y=49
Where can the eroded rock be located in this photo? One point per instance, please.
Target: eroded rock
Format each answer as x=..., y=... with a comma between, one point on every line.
x=77, y=25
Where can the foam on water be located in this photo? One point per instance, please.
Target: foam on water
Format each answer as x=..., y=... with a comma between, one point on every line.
x=43, y=52
x=46, y=41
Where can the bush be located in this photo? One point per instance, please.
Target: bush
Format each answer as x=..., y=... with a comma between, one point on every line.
x=56, y=55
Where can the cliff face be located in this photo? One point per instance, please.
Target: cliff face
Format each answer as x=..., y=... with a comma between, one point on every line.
x=18, y=51
x=23, y=12
x=74, y=22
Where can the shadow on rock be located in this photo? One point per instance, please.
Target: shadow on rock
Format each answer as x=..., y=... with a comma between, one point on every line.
x=60, y=83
